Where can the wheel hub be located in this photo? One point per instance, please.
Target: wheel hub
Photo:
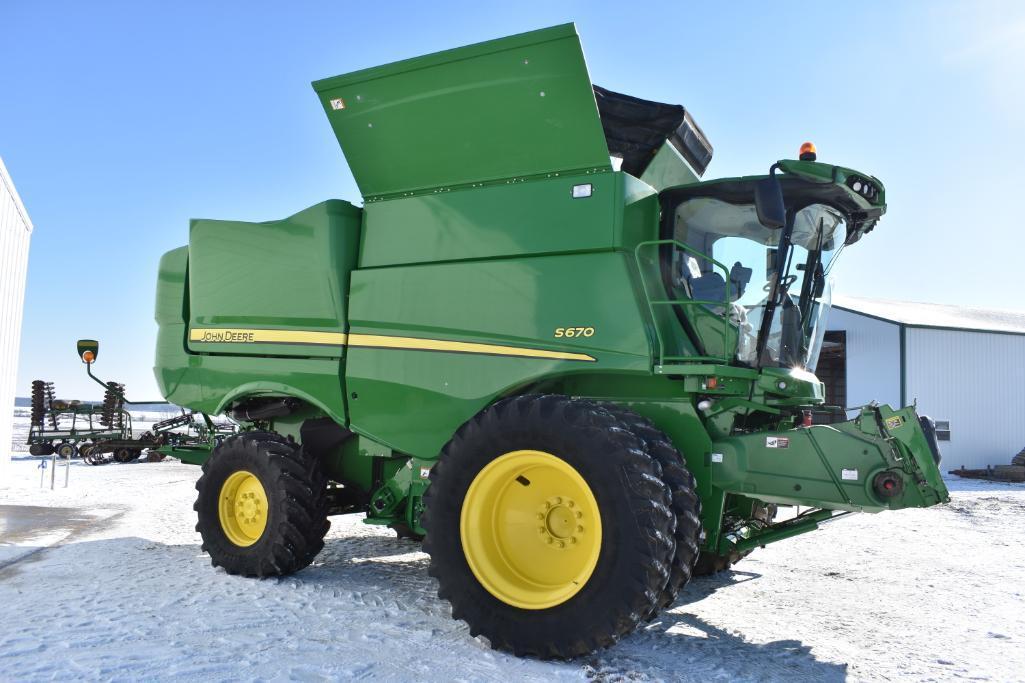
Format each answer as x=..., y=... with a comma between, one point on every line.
x=243, y=508
x=562, y=522
x=530, y=529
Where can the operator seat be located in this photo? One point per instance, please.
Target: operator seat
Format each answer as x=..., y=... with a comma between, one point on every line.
x=712, y=287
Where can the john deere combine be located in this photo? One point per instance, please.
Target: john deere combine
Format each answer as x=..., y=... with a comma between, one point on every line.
x=544, y=344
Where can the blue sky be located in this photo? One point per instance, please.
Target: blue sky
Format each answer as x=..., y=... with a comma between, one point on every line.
x=120, y=121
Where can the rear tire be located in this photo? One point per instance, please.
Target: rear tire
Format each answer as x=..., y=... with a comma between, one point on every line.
x=599, y=558
x=279, y=494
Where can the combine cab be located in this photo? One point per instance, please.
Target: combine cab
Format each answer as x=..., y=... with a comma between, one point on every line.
x=546, y=346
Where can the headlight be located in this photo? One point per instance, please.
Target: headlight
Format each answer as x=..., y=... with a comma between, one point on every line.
x=863, y=187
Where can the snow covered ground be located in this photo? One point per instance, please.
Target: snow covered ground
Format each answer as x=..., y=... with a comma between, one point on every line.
x=105, y=580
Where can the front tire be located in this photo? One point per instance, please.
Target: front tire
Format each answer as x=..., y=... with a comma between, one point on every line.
x=262, y=506
x=686, y=504
x=548, y=526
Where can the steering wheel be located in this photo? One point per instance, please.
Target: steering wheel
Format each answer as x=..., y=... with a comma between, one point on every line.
x=786, y=282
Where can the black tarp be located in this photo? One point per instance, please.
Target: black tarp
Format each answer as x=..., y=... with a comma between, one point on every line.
x=636, y=129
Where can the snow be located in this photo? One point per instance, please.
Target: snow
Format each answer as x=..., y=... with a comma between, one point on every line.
x=105, y=580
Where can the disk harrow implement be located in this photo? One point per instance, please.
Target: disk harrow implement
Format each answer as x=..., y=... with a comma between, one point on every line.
x=102, y=433
x=70, y=428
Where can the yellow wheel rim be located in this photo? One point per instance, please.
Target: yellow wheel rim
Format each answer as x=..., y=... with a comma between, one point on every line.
x=243, y=508
x=531, y=529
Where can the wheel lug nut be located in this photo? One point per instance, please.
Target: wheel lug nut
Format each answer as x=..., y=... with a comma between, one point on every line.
x=579, y=514
x=569, y=503
x=561, y=544
x=580, y=529
x=548, y=540
x=558, y=500
x=540, y=515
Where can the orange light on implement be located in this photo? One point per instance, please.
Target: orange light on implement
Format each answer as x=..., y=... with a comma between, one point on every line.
x=808, y=152
x=88, y=356
x=712, y=383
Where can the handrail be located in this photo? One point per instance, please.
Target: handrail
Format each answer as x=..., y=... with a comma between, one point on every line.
x=652, y=302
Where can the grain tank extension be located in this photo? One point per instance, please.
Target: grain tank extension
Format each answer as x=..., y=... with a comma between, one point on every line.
x=545, y=345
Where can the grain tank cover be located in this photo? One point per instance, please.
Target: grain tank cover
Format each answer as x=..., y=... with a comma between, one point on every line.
x=509, y=108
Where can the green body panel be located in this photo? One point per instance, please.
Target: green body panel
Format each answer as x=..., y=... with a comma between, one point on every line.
x=208, y=383
x=534, y=217
x=810, y=465
x=516, y=107
x=515, y=302
x=187, y=454
x=474, y=274
x=668, y=169
x=291, y=273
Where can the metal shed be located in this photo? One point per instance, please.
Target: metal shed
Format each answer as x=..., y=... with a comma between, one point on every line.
x=964, y=366
x=15, y=232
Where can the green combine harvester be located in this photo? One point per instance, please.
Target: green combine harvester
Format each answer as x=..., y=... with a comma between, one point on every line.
x=544, y=345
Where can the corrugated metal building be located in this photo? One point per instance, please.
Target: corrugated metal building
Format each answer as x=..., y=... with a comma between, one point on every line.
x=15, y=232
x=964, y=366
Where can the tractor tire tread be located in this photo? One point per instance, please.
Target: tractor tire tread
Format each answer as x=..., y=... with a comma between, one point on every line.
x=295, y=483
x=686, y=504
x=639, y=568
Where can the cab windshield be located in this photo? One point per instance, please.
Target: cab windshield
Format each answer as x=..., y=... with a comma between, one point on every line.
x=775, y=290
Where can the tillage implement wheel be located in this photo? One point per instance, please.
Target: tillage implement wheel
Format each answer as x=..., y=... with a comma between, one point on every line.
x=124, y=454
x=262, y=506
x=550, y=526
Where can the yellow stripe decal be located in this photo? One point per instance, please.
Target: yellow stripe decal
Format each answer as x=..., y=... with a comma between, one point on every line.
x=251, y=336
x=384, y=342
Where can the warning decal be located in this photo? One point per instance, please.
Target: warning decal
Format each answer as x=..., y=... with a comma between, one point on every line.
x=777, y=442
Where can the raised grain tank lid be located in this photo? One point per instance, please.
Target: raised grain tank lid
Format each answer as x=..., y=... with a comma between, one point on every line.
x=510, y=108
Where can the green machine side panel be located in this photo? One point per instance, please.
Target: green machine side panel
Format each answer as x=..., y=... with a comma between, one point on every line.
x=290, y=274
x=507, y=108
x=209, y=382
x=533, y=217
x=414, y=400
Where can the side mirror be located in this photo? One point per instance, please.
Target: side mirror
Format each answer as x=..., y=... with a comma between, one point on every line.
x=88, y=349
x=772, y=213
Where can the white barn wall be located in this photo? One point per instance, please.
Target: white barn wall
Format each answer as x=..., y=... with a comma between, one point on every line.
x=15, y=232
x=976, y=381
x=873, y=358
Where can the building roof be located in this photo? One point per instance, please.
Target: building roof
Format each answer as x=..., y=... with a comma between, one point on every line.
x=935, y=315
